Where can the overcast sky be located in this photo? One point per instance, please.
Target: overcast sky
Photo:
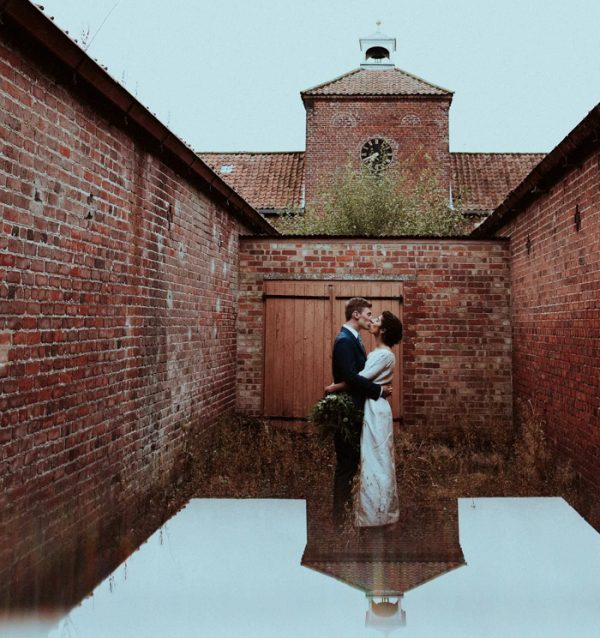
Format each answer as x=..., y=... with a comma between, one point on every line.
x=226, y=74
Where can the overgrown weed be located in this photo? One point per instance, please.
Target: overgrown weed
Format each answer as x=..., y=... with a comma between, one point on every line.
x=241, y=457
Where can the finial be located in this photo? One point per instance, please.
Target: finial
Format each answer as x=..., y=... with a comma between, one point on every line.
x=377, y=49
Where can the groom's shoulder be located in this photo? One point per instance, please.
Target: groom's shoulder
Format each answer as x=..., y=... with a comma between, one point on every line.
x=343, y=335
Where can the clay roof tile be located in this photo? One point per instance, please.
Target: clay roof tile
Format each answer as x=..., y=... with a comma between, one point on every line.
x=482, y=180
x=379, y=82
x=269, y=181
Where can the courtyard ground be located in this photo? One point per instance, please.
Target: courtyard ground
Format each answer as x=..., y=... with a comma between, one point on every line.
x=247, y=458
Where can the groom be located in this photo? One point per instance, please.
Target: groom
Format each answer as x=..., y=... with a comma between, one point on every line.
x=348, y=360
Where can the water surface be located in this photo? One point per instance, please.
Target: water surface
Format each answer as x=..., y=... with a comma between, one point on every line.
x=505, y=567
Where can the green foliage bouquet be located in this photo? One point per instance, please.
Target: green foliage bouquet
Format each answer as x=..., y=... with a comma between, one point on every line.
x=337, y=413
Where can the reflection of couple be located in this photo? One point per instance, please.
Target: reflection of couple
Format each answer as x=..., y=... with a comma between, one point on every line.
x=367, y=380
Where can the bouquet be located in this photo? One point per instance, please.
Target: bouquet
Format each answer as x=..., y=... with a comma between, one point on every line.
x=337, y=413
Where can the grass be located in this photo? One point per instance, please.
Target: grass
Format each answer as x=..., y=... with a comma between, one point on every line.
x=246, y=458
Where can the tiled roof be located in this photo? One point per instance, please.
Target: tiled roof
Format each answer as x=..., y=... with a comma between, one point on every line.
x=582, y=140
x=376, y=82
x=483, y=180
x=275, y=181
x=265, y=180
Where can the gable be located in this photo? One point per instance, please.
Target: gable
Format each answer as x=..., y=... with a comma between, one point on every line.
x=376, y=83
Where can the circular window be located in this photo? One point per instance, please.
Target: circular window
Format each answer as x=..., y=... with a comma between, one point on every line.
x=376, y=153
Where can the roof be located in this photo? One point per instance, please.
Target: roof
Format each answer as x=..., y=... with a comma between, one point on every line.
x=269, y=181
x=482, y=180
x=31, y=26
x=275, y=181
x=582, y=140
x=376, y=82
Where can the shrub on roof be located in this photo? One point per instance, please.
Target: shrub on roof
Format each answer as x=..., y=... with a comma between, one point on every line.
x=404, y=198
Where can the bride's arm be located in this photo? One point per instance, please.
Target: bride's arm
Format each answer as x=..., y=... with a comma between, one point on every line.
x=374, y=366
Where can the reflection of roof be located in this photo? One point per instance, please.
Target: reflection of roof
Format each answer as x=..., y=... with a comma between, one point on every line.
x=389, y=576
x=424, y=544
x=483, y=180
x=376, y=82
x=271, y=181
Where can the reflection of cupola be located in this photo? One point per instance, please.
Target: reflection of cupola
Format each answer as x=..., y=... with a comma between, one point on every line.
x=385, y=612
x=378, y=49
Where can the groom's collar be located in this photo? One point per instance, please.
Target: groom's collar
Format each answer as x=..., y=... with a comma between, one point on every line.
x=352, y=330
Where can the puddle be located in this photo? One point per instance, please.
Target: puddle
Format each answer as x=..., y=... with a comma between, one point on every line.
x=489, y=567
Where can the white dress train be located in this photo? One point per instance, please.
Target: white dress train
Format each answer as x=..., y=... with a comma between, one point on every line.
x=378, y=493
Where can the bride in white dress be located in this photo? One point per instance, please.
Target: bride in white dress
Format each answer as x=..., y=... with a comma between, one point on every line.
x=378, y=494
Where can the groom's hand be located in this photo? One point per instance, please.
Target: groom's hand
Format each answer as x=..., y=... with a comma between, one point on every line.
x=387, y=391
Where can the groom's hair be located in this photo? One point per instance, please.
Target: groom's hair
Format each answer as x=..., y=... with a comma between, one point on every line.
x=356, y=303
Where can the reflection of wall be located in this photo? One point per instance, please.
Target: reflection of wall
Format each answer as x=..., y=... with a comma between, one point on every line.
x=456, y=350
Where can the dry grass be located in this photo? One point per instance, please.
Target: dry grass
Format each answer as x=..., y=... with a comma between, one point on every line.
x=241, y=457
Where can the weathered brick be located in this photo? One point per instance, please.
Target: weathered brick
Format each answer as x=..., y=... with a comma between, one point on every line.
x=331, y=143
x=556, y=314
x=457, y=344
x=104, y=311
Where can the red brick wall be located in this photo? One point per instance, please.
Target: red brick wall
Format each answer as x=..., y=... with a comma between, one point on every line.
x=556, y=313
x=337, y=128
x=457, y=342
x=118, y=287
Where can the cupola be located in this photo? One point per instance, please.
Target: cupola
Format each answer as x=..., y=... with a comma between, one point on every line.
x=378, y=49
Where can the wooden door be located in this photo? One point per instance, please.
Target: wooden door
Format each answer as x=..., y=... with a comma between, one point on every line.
x=301, y=320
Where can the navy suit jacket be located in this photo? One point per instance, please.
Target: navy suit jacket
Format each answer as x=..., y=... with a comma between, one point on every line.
x=347, y=361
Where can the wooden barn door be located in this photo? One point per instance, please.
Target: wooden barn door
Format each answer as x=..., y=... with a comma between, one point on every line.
x=301, y=320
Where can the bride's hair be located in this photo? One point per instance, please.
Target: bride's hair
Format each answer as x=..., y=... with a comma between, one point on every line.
x=391, y=328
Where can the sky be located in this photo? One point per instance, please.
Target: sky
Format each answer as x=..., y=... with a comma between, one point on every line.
x=226, y=75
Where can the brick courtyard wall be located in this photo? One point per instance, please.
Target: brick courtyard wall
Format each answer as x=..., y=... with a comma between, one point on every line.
x=118, y=284
x=457, y=340
x=555, y=271
x=336, y=130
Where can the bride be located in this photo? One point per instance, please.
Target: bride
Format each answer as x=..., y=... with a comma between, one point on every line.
x=378, y=495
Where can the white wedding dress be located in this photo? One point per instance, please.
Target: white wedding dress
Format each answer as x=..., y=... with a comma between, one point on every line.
x=378, y=493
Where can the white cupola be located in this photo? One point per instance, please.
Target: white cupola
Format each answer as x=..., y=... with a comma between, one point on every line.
x=378, y=49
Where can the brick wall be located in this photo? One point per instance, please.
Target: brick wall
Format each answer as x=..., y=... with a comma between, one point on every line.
x=457, y=343
x=117, y=316
x=555, y=271
x=336, y=130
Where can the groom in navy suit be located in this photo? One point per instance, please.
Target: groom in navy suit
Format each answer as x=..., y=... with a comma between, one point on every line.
x=349, y=357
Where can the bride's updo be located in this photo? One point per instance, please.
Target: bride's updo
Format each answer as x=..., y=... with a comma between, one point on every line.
x=391, y=328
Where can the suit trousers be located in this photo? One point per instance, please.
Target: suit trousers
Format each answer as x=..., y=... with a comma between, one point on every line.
x=347, y=461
